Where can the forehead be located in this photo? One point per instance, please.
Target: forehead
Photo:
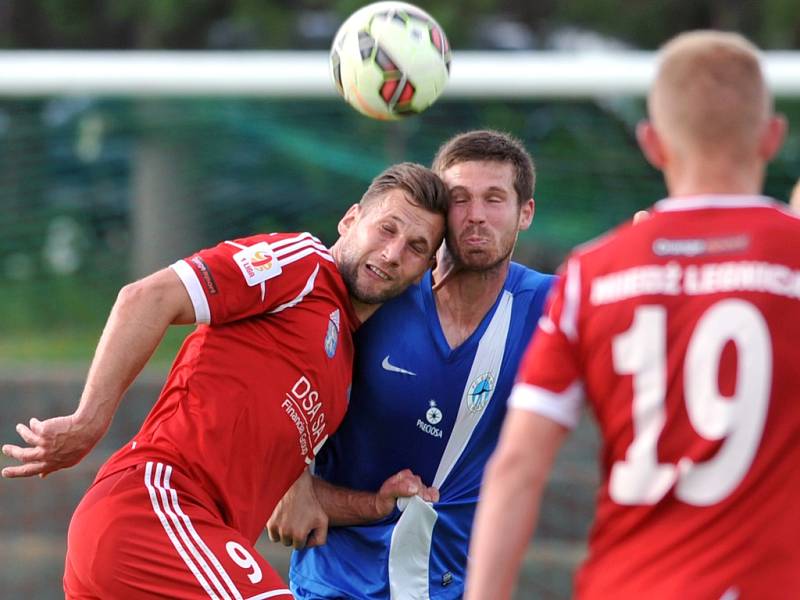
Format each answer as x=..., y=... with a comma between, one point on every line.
x=394, y=202
x=480, y=174
x=396, y=205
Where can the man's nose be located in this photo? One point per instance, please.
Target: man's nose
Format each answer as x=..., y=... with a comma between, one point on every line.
x=393, y=250
x=476, y=212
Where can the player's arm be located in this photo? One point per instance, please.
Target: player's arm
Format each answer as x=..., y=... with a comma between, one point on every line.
x=508, y=507
x=302, y=516
x=138, y=320
x=299, y=520
x=355, y=507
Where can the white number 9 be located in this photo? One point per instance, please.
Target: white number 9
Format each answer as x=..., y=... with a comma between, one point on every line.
x=244, y=559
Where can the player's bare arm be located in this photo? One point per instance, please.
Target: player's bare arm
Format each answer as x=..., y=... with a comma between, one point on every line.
x=296, y=520
x=139, y=318
x=508, y=508
x=352, y=507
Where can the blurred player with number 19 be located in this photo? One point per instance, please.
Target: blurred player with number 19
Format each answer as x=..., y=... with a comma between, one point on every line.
x=681, y=332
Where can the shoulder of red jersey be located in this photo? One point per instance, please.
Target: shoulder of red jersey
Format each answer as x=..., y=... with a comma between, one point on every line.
x=229, y=281
x=264, y=256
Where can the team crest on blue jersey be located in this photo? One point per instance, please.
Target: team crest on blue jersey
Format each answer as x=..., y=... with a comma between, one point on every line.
x=480, y=391
x=332, y=336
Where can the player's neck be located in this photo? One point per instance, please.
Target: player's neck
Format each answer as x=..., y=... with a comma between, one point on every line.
x=464, y=299
x=362, y=310
x=704, y=177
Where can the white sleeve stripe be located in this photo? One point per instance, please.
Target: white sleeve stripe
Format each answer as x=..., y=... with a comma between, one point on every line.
x=563, y=408
x=572, y=297
x=290, y=245
x=306, y=290
x=298, y=246
x=292, y=240
x=302, y=254
x=202, y=312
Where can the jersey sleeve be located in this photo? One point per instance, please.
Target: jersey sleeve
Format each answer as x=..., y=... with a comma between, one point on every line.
x=548, y=382
x=250, y=276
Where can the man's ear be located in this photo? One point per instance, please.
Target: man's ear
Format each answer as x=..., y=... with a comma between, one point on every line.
x=773, y=136
x=651, y=145
x=526, y=212
x=640, y=215
x=349, y=219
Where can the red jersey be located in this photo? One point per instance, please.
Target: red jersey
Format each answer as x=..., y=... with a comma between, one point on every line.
x=261, y=383
x=681, y=332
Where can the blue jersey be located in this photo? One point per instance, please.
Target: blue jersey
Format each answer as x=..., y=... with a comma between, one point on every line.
x=418, y=404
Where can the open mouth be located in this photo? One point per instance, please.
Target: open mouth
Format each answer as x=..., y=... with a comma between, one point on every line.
x=381, y=274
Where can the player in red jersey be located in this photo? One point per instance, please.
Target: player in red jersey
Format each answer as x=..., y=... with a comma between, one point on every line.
x=252, y=396
x=680, y=332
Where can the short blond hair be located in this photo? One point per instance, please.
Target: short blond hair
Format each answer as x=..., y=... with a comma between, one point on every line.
x=709, y=93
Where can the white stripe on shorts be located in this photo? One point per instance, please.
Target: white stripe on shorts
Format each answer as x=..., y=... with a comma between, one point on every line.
x=190, y=528
x=154, y=499
x=271, y=594
x=183, y=536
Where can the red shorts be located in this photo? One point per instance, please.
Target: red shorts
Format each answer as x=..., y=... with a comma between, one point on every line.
x=142, y=533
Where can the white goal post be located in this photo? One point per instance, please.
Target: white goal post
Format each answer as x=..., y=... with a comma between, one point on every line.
x=511, y=75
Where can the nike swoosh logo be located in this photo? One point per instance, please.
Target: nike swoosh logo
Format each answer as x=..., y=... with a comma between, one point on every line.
x=390, y=367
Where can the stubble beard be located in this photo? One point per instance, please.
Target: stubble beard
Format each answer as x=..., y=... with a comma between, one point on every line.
x=480, y=261
x=349, y=270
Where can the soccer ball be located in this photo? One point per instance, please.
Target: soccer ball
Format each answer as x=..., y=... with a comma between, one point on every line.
x=390, y=60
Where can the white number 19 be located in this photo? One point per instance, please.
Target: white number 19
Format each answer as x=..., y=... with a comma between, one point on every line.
x=642, y=352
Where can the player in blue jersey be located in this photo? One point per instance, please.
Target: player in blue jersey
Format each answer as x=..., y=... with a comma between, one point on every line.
x=434, y=368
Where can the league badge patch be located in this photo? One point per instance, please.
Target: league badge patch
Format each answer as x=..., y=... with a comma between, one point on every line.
x=258, y=263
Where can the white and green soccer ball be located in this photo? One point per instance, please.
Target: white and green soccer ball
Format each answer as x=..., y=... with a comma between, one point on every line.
x=390, y=60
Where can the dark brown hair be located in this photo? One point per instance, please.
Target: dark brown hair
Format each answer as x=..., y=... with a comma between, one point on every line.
x=424, y=187
x=490, y=145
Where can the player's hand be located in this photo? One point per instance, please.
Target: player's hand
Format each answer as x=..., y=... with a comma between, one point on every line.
x=402, y=485
x=51, y=445
x=640, y=215
x=299, y=520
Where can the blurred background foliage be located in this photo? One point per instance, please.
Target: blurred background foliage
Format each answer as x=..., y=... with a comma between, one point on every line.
x=202, y=24
x=78, y=175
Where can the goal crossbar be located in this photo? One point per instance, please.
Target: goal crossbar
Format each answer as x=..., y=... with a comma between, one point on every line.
x=304, y=74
